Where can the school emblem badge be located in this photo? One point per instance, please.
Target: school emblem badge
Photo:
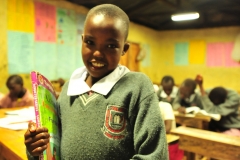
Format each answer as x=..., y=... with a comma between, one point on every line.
x=115, y=122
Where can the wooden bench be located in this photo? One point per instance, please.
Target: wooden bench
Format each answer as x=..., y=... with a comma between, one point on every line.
x=210, y=144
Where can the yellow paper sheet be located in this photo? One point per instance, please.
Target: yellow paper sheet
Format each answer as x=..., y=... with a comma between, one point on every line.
x=21, y=15
x=3, y=44
x=197, y=52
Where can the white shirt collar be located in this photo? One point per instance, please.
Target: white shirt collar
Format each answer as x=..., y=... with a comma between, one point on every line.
x=173, y=93
x=77, y=84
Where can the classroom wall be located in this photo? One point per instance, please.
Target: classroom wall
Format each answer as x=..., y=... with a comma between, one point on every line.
x=161, y=44
x=4, y=28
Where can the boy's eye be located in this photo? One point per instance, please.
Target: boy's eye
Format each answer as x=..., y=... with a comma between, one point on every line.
x=89, y=42
x=111, y=46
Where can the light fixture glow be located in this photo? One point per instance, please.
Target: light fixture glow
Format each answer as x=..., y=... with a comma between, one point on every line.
x=185, y=16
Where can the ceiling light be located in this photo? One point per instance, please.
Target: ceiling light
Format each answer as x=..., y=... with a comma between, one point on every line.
x=185, y=16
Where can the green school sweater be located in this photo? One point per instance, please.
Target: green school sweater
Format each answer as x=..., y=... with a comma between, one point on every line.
x=124, y=124
x=229, y=110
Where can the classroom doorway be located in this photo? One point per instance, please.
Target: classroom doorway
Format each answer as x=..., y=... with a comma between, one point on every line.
x=130, y=58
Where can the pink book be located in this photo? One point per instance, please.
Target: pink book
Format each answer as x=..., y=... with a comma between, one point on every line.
x=46, y=111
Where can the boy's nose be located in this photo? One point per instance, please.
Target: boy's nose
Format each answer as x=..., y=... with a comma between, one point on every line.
x=98, y=53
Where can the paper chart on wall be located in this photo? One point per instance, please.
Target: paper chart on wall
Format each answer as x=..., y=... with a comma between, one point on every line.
x=20, y=15
x=3, y=28
x=219, y=55
x=79, y=61
x=215, y=55
x=3, y=41
x=229, y=62
x=46, y=59
x=181, y=53
x=197, y=52
x=67, y=30
x=80, y=25
x=45, y=22
x=66, y=61
x=20, y=52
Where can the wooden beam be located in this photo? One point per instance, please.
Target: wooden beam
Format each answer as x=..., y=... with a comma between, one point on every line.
x=139, y=6
x=171, y=4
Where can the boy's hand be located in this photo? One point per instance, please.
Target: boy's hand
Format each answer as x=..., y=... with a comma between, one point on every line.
x=36, y=139
x=199, y=80
x=182, y=110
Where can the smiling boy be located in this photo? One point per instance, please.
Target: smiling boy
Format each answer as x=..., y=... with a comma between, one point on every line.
x=106, y=111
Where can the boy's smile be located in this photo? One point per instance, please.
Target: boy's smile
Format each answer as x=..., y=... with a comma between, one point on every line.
x=103, y=44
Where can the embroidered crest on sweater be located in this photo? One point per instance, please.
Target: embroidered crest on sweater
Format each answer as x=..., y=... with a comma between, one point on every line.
x=115, y=122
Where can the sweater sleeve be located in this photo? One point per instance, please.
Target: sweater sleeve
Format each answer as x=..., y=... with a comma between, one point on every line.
x=230, y=105
x=149, y=131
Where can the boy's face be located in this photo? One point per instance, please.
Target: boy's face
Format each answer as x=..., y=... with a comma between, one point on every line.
x=185, y=92
x=103, y=44
x=167, y=87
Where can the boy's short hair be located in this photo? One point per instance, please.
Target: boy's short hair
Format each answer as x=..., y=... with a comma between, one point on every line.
x=15, y=78
x=167, y=79
x=218, y=94
x=190, y=83
x=112, y=11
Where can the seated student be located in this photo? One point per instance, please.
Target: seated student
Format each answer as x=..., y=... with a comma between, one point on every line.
x=167, y=115
x=167, y=90
x=169, y=120
x=187, y=96
x=18, y=96
x=221, y=101
x=57, y=85
x=156, y=88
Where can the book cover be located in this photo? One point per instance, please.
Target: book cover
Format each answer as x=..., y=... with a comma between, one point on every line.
x=46, y=112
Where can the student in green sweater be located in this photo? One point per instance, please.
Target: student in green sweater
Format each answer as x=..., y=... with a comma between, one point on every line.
x=223, y=101
x=187, y=97
x=167, y=91
x=106, y=111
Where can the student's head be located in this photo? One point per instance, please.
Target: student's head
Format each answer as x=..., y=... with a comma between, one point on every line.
x=104, y=39
x=167, y=84
x=61, y=82
x=15, y=85
x=187, y=88
x=218, y=95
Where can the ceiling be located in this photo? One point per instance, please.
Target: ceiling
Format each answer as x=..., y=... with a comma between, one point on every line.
x=156, y=14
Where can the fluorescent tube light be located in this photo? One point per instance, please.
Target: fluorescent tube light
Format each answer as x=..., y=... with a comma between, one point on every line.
x=185, y=16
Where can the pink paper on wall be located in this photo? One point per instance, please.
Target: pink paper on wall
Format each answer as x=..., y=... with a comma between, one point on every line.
x=215, y=54
x=219, y=55
x=45, y=22
x=229, y=62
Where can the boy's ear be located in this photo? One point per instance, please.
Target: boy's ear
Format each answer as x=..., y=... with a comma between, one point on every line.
x=125, y=48
x=82, y=37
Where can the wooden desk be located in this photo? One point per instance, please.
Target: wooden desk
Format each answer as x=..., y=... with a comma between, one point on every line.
x=11, y=142
x=172, y=138
x=190, y=120
x=210, y=144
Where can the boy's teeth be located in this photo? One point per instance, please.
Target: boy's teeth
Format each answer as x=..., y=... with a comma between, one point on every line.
x=97, y=64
